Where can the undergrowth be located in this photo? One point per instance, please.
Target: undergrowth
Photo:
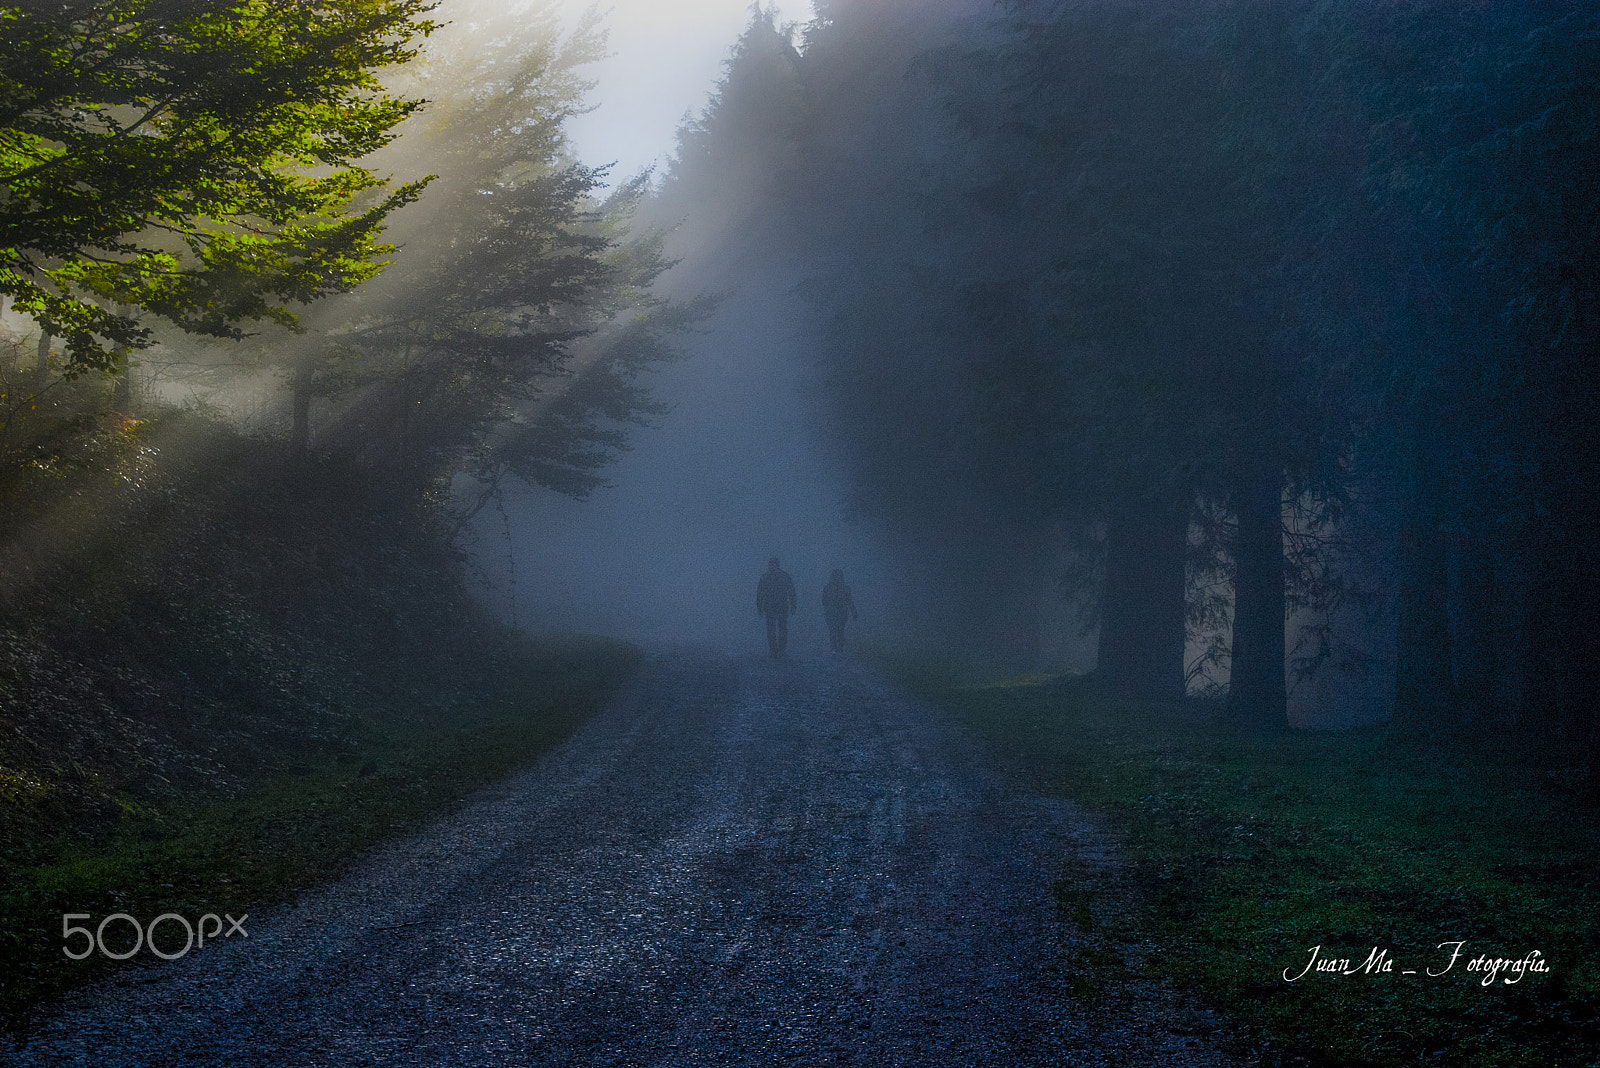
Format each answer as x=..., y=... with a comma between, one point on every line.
x=223, y=677
x=298, y=827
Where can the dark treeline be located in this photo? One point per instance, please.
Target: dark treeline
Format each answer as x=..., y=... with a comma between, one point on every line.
x=1267, y=329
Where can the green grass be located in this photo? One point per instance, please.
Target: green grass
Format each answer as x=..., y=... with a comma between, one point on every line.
x=292, y=830
x=1251, y=850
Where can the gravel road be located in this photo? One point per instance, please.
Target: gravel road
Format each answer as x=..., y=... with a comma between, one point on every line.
x=740, y=862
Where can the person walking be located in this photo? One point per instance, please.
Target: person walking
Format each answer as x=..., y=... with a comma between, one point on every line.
x=775, y=599
x=837, y=608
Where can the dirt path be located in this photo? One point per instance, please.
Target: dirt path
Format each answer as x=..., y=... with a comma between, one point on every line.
x=740, y=863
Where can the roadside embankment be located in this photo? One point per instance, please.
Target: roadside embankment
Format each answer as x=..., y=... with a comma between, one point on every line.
x=1344, y=897
x=223, y=678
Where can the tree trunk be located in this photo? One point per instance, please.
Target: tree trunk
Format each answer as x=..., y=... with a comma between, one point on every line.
x=1476, y=628
x=1513, y=682
x=1585, y=674
x=1142, y=615
x=407, y=403
x=122, y=389
x=300, y=433
x=1005, y=600
x=1564, y=667
x=9, y=354
x=1423, y=683
x=42, y=366
x=986, y=602
x=1257, y=694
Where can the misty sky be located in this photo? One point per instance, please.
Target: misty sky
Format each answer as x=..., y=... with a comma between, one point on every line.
x=666, y=58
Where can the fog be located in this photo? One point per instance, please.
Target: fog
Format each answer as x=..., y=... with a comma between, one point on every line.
x=1082, y=337
x=1174, y=383
x=734, y=474
x=742, y=468
x=663, y=62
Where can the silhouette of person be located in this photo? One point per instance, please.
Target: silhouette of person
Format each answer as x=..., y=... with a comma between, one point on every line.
x=775, y=599
x=837, y=607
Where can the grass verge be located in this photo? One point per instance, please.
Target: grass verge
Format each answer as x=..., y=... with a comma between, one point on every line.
x=287, y=831
x=1251, y=852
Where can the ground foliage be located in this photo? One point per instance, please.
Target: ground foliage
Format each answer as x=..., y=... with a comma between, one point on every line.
x=1247, y=852
x=220, y=677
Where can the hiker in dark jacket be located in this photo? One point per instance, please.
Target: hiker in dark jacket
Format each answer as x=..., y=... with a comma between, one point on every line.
x=837, y=607
x=775, y=599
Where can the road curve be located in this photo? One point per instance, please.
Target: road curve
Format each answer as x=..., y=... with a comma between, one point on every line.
x=740, y=862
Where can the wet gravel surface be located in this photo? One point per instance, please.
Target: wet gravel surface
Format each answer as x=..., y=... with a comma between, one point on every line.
x=740, y=862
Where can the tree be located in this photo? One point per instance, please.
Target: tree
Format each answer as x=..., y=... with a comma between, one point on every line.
x=1099, y=206
x=1480, y=171
x=510, y=336
x=915, y=321
x=1334, y=261
x=1170, y=193
x=192, y=159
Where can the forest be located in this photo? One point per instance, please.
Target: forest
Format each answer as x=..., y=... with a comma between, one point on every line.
x=1245, y=348
x=1202, y=318
x=1261, y=332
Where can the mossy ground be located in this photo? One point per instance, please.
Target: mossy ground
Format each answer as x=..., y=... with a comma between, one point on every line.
x=1249, y=851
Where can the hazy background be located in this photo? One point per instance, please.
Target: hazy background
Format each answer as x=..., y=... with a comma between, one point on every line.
x=666, y=57
x=671, y=550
